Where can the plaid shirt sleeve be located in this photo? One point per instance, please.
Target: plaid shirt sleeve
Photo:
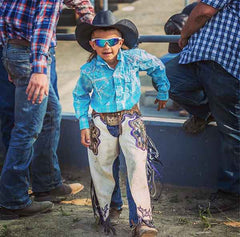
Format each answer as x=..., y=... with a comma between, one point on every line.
x=83, y=8
x=218, y=4
x=45, y=24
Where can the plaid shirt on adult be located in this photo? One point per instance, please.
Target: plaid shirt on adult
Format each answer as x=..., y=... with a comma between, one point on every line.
x=219, y=39
x=36, y=21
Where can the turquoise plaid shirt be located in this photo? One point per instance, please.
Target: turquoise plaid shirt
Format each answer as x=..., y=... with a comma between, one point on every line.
x=109, y=90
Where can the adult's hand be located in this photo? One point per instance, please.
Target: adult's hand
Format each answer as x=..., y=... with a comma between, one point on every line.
x=38, y=86
x=182, y=42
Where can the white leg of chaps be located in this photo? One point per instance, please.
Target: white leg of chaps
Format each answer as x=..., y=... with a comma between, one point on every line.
x=134, y=147
x=101, y=165
x=133, y=144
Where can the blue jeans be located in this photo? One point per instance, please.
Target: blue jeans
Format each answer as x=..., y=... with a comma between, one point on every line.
x=116, y=200
x=7, y=97
x=204, y=87
x=29, y=120
x=167, y=57
x=53, y=73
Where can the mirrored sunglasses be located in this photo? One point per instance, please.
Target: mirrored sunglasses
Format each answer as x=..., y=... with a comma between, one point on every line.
x=102, y=42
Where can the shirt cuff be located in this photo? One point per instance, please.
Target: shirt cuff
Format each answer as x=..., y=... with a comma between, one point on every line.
x=83, y=123
x=39, y=64
x=162, y=96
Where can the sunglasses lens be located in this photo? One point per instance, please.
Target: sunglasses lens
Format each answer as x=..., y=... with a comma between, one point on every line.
x=110, y=42
x=100, y=42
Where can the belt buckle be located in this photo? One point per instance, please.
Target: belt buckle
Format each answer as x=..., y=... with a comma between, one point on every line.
x=112, y=120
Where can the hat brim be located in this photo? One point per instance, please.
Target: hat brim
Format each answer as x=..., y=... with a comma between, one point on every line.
x=127, y=28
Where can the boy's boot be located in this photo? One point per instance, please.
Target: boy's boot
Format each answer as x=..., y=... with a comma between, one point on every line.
x=143, y=230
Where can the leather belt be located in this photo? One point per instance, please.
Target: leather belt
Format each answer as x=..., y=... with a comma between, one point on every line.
x=113, y=119
x=22, y=42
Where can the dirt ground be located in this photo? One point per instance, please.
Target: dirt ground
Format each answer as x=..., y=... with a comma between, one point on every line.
x=175, y=214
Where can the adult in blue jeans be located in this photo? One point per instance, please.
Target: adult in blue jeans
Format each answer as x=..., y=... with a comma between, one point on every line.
x=205, y=80
x=27, y=59
x=7, y=97
x=48, y=136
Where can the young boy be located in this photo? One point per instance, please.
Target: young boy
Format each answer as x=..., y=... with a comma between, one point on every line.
x=110, y=84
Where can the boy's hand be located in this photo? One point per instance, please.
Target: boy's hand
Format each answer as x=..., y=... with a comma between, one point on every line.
x=85, y=137
x=161, y=104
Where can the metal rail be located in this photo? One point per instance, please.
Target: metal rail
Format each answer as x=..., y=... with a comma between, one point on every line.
x=141, y=39
x=105, y=5
x=186, y=2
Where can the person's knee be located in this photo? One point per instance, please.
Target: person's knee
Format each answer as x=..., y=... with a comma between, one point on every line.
x=171, y=67
x=177, y=91
x=174, y=76
x=174, y=95
x=23, y=138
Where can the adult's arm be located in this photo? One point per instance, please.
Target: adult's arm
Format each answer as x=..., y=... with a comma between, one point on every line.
x=44, y=27
x=83, y=8
x=197, y=19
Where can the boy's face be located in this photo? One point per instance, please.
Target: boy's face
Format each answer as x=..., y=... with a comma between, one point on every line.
x=107, y=53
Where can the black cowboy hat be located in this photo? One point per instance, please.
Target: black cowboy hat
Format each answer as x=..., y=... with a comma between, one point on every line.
x=174, y=26
x=188, y=9
x=105, y=19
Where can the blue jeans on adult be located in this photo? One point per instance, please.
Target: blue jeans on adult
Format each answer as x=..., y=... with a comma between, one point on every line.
x=53, y=73
x=167, y=57
x=7, y=97
x=204, y=86
x=29, y=120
